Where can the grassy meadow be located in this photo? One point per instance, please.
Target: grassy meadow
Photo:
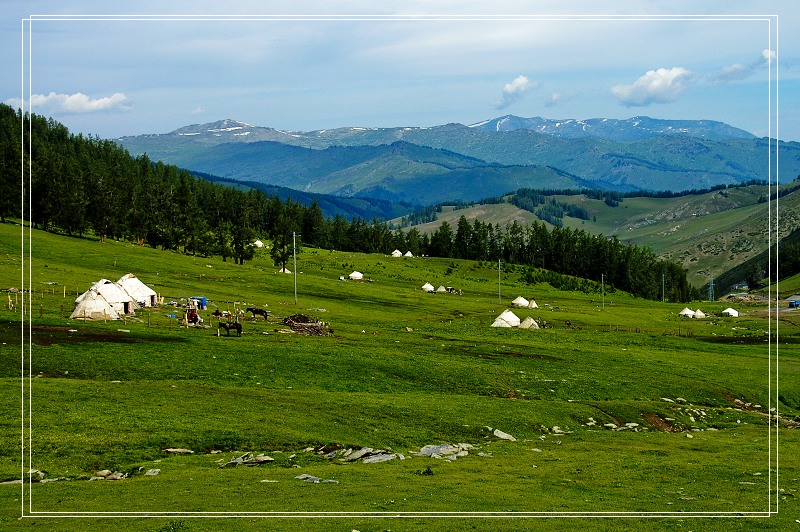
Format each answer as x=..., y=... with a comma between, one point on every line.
x=625, y=416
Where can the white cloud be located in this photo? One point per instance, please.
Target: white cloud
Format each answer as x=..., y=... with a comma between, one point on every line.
x=738, y=71
x=515, y=90
x=198, y=110
x=656, y=86
x=553, y=100
x=76, y=103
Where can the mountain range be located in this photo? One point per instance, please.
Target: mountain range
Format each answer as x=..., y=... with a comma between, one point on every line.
x=455, y=162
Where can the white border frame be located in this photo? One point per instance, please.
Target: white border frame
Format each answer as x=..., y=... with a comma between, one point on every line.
x=26, y=278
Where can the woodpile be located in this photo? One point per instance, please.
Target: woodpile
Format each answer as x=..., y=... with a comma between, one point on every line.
x=302, y=324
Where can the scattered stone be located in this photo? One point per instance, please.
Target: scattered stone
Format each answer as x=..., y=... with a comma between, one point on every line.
x=680, y=400
x=315, y=480
x=104, y=473
x=486, y=455
x=376, y=458
x=116, y=475
x=247, y=459
x=178, y=451
x=689, y=436
x=439, y=450
x=269, y=481
x=355, y=455
x=152, y=472
x=503, y=436
x=667, y=399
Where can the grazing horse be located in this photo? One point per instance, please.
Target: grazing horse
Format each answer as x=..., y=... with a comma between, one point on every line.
x=236, y=326
x=258, y=312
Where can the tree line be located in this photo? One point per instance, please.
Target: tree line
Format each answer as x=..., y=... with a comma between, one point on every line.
x=86, y=185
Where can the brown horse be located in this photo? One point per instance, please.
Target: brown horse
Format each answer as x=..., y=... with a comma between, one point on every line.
x=258, y=312
x=232, y=326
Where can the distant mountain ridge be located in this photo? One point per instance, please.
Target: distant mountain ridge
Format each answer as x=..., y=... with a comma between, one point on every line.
x=454, y=162
x=628, y=130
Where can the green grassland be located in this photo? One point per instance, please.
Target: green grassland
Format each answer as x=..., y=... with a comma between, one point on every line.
x=403, y=369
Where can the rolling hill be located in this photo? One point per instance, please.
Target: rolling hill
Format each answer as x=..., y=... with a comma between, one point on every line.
x=708, y=233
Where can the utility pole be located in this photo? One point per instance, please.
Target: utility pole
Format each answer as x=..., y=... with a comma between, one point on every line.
x=294, y=254
x=499, y=298
x=603, y=283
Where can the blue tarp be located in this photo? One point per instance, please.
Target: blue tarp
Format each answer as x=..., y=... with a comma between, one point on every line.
x=202, y=301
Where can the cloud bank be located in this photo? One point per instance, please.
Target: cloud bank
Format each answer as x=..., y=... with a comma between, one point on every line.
x=77, y=103
x=656, y=86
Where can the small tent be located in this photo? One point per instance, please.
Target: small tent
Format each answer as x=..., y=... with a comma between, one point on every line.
x=533, y=304
x=506, y=319
x=528, y=323
x=520, y=302
x=686, y=313
x=258, y=244
x=91, y=305
x=139, y=292
x=397, y=253
x=119, y=300
x=732, y=313
x=408, y=254
x=356, y=276
x=698, y=314
x=428, y=287
x=284, y=270
x=441, y=290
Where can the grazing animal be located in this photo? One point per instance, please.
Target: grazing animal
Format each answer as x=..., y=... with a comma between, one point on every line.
x=258, y=312
x=236, y=326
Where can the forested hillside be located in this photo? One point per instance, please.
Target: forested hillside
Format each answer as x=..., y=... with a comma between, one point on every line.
x=89, y=186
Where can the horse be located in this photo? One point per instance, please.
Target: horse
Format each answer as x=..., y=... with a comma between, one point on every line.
x=236, y=326
x=258, y=312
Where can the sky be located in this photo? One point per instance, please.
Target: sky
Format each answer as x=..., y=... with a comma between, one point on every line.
x=113, y=69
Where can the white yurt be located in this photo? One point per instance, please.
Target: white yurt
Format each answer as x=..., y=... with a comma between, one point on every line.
x=428, y=287
x=520, y=302
x=91, y=305
x=139, y=292
x=397, y=253
x=686, y=313
x=258, y=244
x=506, y=319
x=698, y=314
x=731, y=313
x=115, y=295
x=284, y=270
x=528, y=323
x=356, y=276
x=408, y=254
x=441, y=290
x=533, y=304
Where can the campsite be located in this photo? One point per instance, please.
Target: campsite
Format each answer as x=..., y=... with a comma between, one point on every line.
x=632, y=409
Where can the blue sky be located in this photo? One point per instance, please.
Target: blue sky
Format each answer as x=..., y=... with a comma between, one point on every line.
x=384, y=64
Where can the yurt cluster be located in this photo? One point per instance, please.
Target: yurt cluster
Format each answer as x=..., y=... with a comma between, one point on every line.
x=699, y=314
x=109, y=300
x=509, y=319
